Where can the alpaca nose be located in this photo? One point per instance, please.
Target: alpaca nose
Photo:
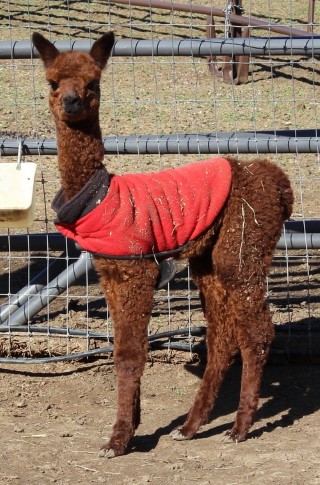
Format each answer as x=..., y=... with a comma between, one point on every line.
x=72, y=103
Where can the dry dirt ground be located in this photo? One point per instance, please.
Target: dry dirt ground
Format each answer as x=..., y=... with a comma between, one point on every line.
x=54, y=418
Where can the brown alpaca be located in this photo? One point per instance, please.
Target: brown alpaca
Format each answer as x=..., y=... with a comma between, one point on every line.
x=229, y=261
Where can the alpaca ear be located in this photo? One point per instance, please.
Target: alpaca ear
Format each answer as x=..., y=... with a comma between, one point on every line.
x=48, y=52
x=101, y=49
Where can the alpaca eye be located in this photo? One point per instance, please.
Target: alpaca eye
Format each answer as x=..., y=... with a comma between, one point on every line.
x=54, y=86
x=93, y=85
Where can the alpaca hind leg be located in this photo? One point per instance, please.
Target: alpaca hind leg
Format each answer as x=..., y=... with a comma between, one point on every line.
x=218, y=363
x=130, y=302
x=221, y=347
x=254, y=347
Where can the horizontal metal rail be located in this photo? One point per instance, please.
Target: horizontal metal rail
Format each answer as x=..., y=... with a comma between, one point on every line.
x=252, y=46
x=300, y=234
x=38, y=242
x=305, y=241
x=280, y=141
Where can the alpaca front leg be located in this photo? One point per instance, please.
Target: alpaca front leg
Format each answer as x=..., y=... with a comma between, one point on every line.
x=128, y=409
x=130, y=356
x=129, y=288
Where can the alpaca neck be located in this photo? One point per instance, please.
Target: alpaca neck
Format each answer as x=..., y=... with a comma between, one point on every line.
x=80, y=154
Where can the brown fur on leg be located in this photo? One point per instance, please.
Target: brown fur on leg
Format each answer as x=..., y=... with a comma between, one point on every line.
x=221, y=343
x=130, y=304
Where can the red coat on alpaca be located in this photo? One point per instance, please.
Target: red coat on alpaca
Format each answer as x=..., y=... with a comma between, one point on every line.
x=138, y=215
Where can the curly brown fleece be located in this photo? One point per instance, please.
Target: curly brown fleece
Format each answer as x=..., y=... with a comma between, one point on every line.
x=229, y=263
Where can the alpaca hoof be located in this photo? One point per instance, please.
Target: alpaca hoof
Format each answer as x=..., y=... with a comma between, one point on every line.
x=104, y=453
x=178, y=436
x=232, y=437
x=228, y=438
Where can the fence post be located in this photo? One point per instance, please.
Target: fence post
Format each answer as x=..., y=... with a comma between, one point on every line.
x=311, y=15
x=235, y=69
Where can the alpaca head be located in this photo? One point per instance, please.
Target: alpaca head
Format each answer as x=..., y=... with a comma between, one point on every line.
x=74, y=78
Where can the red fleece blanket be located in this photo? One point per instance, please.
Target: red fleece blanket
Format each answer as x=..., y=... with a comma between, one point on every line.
x=148, y=214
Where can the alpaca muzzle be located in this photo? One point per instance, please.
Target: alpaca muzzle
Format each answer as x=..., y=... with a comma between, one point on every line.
x=72, y=104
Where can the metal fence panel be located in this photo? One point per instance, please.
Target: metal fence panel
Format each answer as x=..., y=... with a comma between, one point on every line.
x=161, y=107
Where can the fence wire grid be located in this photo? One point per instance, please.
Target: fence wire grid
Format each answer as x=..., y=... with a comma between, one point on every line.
x=157, y=96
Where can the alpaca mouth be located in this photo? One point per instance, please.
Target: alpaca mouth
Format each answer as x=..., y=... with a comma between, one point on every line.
x=73, y=113
x=72, y=109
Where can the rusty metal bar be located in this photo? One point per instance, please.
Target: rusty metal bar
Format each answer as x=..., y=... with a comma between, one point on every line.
x=213, y=11
x=311, y=15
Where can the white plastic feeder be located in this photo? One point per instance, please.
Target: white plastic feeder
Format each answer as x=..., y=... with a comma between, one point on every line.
x=17, y=193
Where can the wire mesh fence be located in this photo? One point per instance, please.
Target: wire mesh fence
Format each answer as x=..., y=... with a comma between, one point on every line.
x=161, y=107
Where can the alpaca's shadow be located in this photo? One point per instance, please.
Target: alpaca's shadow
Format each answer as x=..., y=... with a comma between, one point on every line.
x=290, y=392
